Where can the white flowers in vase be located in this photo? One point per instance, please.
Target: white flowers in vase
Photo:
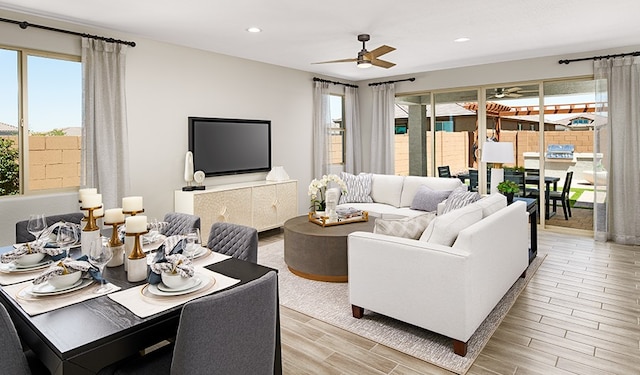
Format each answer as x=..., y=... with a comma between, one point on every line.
x=318, y=189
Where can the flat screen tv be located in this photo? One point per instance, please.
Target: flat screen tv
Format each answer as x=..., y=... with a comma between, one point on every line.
x=223, y=146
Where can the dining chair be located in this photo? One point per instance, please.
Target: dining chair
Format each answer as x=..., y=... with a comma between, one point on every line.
x=230, y=332
x=518, y=178
x=12, y=358
x=23, y=235
x=180, y=223
x=236, y=240
x=563, y=196
x=444, y=171
x=473, y=180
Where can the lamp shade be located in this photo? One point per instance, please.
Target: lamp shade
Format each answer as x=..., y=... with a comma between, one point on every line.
x=498, y=152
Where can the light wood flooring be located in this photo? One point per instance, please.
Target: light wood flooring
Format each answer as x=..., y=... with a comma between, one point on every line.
x=580, y=314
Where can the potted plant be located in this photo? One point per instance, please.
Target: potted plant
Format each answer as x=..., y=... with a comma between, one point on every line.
x=508, y=188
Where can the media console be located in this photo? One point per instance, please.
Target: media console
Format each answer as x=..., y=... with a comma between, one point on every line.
x=259, y=204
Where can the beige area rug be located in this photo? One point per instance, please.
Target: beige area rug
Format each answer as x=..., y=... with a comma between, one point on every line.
x=329, y=302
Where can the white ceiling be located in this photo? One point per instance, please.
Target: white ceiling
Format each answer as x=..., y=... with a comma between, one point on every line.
x=297, y=33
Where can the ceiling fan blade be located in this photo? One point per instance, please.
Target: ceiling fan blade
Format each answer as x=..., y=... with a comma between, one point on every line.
x=513, y=95
x=381, y=51
x=512, y=89
x=335, y=61
x=382, y=63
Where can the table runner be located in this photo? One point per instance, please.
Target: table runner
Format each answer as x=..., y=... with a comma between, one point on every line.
x=144, y=306
x=39, y=305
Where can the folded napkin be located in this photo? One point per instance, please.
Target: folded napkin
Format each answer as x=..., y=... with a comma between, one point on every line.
x=38, y=246
x=52, y=230
x=159, y=226
x=169, y=258
x=70, y=265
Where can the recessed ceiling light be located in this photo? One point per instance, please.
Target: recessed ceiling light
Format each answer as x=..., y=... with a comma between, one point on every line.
x=254, y=29
x=461, y=40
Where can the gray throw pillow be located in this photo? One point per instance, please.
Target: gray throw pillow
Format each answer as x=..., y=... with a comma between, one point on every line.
x=358, y=188
x=409, y=227
x=427, y=199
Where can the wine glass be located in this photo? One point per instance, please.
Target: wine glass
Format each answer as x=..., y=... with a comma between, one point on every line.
x=192, y=243
x=36, y=225
x=100, y=253
x=66, y=236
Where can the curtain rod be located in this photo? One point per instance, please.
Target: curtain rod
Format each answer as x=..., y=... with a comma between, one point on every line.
x=316, y=79
x=24, y=24
x=636, y=53
x=397, y=80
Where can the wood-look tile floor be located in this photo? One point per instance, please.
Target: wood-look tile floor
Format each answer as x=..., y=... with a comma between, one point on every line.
x=580, y=314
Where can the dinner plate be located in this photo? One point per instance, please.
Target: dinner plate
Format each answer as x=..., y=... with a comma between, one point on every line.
x=200, y=252
x=150, y=246
x=46, y=289
x=191, y=283
x=205, y=281
x=15, y=268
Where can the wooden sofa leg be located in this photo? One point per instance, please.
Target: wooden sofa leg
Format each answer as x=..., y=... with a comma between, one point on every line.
x=524, y=274
x=357, y=311
x=460, y=348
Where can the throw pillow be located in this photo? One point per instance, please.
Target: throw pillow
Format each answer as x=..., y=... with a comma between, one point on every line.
x=358, y=188
x=427, y=199
x=459, y=198
x=444, y=229
x=410, y=227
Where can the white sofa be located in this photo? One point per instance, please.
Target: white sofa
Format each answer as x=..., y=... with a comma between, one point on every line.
x=393, y=195
x=449, y=290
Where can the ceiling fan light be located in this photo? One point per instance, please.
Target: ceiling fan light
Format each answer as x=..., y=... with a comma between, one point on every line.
x=364, y=64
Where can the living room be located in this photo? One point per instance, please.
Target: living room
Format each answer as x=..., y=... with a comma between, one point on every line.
x=167, y=83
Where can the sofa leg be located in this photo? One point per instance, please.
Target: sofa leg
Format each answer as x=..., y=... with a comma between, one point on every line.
x=459, y=347
x=357, y=311
x=524, y=274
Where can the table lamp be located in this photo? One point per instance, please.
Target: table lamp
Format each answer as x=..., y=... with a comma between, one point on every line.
x=497, y=153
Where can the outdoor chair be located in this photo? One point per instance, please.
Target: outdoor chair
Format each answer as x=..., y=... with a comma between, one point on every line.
x=23, y=235
x=518, y=178
x=239, y=241
x=563, y=196
x=444, y=171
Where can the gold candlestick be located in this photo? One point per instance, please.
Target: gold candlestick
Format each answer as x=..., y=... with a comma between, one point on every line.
x=137, y=252
x=91, y=219
x=133, y=213
x=114, y=241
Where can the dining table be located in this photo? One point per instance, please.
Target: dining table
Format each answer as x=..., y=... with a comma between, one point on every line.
x=84, y=337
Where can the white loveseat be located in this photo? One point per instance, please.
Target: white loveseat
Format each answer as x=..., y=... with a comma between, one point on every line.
x=393, y=195
x=449, y=290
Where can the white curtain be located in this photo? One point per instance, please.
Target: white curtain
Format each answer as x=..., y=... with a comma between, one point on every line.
x=353, y=140
x=383, y=129
x=617, y=209
x=105, y=159
x=321, y=125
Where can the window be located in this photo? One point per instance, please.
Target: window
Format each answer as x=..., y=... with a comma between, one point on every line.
x=40, y=121
x=337, y=132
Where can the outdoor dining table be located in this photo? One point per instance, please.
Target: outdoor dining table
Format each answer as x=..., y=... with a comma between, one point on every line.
x=548, y=180
x=84, y=337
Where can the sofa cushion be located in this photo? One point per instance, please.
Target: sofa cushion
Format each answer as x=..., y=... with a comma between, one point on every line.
x=409, y=227
x=459, y=198
x=412, y=183
x=492, y=203
x=427, y=199
x=386, y=189
x=444, y=229
x=358, y=188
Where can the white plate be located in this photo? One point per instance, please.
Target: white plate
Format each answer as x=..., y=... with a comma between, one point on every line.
x=191, y=283
x=204, y=281
x=14, y=268
x=200, y=252
x=46, y=289
x=146, y=247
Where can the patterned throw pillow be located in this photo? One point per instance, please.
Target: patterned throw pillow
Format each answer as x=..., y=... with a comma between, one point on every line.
x=459, y=198
x=409, y=227
x=427, y=199
x=358, y=188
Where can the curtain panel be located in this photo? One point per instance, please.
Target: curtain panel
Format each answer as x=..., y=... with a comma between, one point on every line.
x=617, y=208
x=321, y=126
x=353, y=140
x=383, y=129
x=105, y=160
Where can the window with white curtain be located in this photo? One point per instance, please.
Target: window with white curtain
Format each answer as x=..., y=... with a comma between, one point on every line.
x=337, y=131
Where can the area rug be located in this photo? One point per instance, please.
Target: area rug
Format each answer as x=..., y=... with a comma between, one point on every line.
x=329, y=302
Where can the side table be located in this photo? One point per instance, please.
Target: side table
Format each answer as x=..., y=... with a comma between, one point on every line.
x=532, y=209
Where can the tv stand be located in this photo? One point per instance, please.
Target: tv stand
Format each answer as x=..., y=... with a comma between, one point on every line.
x=262, y=205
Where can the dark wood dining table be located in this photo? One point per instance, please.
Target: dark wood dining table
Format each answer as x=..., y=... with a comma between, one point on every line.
x=85, y=337
x=548, y=181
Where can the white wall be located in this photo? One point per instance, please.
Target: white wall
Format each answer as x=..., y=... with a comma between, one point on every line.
x=165, y=85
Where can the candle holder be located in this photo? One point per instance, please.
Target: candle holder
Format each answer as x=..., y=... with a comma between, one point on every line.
x=91, y=219
x=133, y=213
x=115, y=239
x=136, y=261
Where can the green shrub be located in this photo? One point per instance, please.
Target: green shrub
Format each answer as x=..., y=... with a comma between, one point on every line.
x=9, y=168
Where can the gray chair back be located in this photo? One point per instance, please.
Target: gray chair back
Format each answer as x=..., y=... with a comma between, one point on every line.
x=231, y=332
x=23, y=235
x=239, y=241
x=12, y=358
x=180, y=223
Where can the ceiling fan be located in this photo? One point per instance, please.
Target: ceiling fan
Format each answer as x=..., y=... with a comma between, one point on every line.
x=365, y=58
x=511, y=92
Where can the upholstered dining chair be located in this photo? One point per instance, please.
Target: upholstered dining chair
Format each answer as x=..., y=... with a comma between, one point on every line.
x=239, y=241
x=217, y=335
x=179, y=223
x=12, y=358
x=23, y=235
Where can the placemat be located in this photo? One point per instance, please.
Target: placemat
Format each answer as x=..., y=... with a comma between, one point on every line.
x=144, y=304
x=18, y=277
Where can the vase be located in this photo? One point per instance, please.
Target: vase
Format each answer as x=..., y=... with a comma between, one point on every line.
x=509, y=197
x=320, y=214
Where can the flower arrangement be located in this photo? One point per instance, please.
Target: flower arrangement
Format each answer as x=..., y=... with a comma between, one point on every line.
x=318, y=189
